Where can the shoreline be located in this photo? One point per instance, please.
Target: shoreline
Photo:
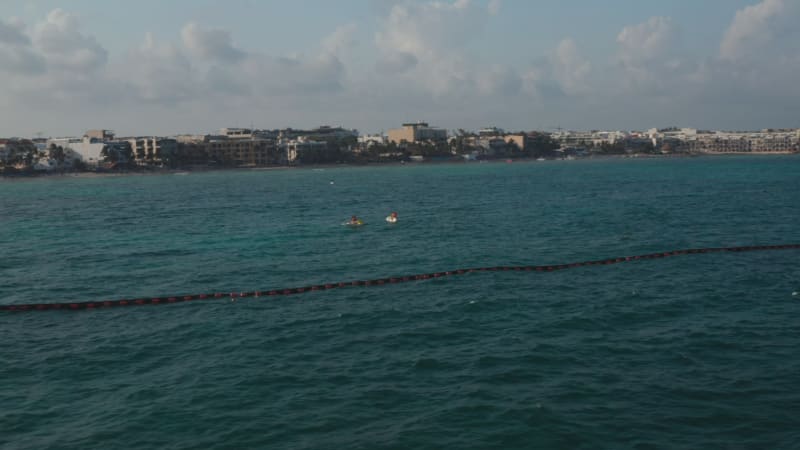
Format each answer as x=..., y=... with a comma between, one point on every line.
x=189, y=170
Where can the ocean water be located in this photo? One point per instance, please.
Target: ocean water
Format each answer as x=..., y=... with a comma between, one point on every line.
x=696, y=351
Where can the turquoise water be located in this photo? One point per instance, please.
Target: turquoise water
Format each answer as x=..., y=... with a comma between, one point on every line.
x=697, y=351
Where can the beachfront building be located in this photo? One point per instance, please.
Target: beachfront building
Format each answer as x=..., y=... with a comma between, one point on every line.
x=224, y=150
x=575, y=139
x=489, y=142
x=236, y=133
x=491, y=131
x=90, y=150
x=490, y=145
x=301, y=148
x=328, y=133
x=368, y=140
x=673, y=139
x=764, y=141
x=322, y=133
x=494, y=137
x=417, y=132
x=87, y=150
x=241, y=152
x=608, y=137
x=152, y=150
x=589, y=138
x=677, y=140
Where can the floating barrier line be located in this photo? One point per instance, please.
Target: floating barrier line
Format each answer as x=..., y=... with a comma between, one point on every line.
x=377, y=282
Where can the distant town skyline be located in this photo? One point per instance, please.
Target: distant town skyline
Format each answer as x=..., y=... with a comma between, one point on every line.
x=164, y=68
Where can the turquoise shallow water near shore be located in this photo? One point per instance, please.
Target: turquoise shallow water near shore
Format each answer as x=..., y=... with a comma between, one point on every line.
x=697, y=351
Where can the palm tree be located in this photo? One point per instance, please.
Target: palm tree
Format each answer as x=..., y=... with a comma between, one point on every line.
x=30, y=157
x=57, y=153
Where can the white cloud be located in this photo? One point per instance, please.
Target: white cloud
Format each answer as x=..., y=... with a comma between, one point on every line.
x=425, y=42
x=646, y=41
x=396, y=63
x=532, y=80
x=429, y=62
x=500, y=81
x=429, y=29
x=565, y=72
x=160, y=72
x=570, y=69
x=16, y=52
x=222, y=73
x=756, y=25
x=341, y=40
x=56, y=63
x=13, y=33
x=65, y=47
x=210, y=44
x=647, y=55
x=295, y=76
x=21, y=60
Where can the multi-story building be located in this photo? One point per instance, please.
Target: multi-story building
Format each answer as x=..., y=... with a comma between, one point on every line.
x=118, y=151
x=295, y=148
x=491, y=131
x=88, y=150
x=200, y=150
x=417, y=132
x=100, y=135
x=152, y=150
x=321, y=133
x=236, y=133
x=368, y=140
x=519, y=140
x=574, y=138
x=765, y=141
x=490, y=145
x=328, y=133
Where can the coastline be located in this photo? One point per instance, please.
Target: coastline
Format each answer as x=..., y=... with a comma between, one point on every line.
x=189, y=170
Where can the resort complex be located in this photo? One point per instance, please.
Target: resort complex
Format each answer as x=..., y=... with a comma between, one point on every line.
x=244, y=147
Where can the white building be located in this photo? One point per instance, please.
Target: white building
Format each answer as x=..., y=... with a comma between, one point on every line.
x=295, y=147
x=368, y=140
x=236, y=133
x=152, y=149
x=491, y=131
x=86, y=149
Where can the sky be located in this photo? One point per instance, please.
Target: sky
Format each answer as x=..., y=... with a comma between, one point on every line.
x=155, y=67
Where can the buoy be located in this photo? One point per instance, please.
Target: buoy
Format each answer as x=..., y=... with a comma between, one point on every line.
x=376, y=282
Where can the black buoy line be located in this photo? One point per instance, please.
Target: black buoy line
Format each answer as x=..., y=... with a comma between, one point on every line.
x=376, y=282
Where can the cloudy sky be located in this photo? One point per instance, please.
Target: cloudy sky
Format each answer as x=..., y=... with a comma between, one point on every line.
x=166, y=67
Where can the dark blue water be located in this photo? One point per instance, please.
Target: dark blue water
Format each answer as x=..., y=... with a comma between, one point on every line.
x=696, y=351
